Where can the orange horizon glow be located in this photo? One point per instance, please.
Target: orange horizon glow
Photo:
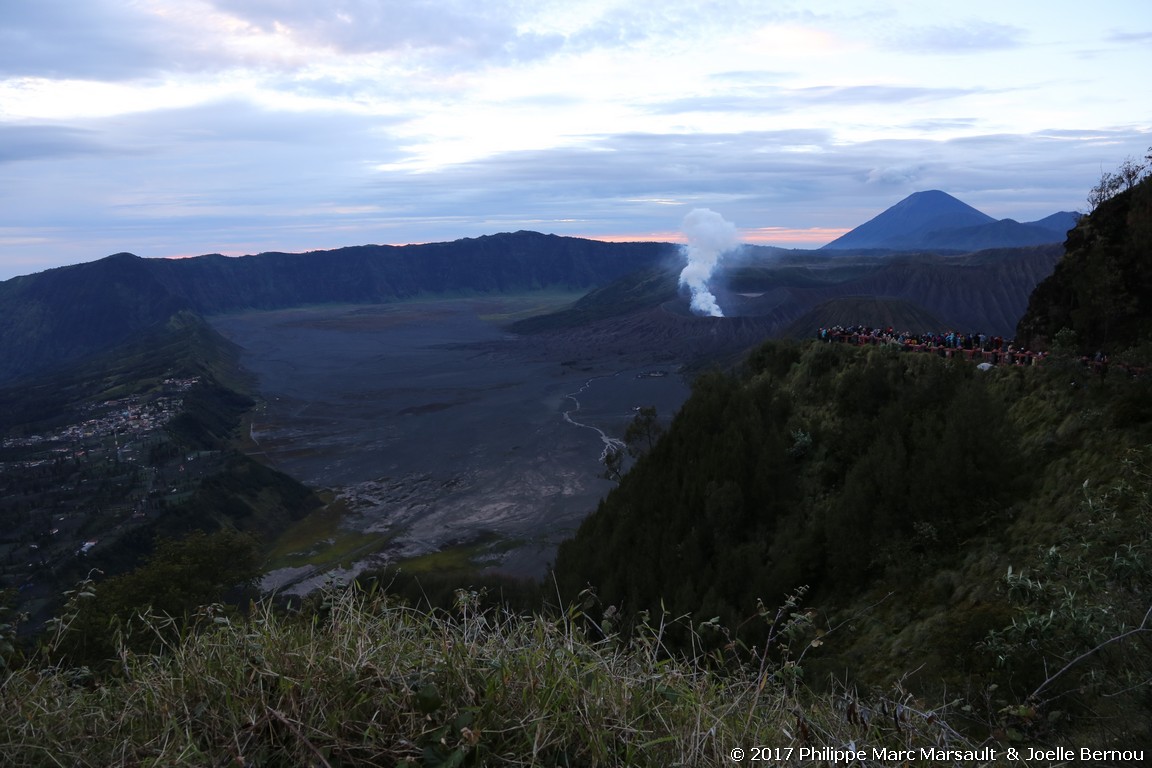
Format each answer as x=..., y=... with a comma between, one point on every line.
x=646, y=237
x=811, y=236
x=808, y=236
x=783, y=237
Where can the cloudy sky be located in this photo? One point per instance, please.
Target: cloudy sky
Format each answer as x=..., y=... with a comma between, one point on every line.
x=181, y=127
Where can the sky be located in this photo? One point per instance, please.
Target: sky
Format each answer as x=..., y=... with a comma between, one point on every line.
x=181, y=127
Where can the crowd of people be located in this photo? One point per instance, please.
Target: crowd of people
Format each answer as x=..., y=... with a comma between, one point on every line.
x=976, y=347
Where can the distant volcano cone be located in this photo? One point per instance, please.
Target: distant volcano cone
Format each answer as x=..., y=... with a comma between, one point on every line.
x=911, y=219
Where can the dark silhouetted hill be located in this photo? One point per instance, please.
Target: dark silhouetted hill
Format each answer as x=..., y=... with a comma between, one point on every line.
x=55, y=317
x=1101, y=291
x=1057, y=223
x=373, y=273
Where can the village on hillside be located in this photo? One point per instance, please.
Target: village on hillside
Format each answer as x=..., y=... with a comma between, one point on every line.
x=87, y=483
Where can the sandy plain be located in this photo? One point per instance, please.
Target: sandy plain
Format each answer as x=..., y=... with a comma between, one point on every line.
x=437, y=429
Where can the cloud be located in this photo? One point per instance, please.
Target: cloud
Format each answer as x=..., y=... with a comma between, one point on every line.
x=204, y=178
x=667, y=24
x=1130, y=37
x=36, y=142
x=94, y=39
x=760, y=99
x=896, y=175
x=968, y=38
x=224, y=135
x=114, y=41
x=632, y=178
x=932, y=125
x=698, y=167
x=751, y=76
x=877, y=94
x=110, y=40
x=464, y=29
x=232, y=120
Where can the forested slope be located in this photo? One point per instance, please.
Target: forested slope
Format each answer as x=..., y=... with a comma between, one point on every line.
x=820, y=465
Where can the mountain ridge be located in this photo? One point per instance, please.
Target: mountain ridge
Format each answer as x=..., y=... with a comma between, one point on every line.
x=62, y=315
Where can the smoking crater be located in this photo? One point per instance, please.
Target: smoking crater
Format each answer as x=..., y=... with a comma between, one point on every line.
x=709, y=237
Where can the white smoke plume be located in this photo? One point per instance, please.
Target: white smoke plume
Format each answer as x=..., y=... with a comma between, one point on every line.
x=709, y=238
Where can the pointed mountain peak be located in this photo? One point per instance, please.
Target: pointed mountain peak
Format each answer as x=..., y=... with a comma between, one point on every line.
x=905, y=224
x=937, y=201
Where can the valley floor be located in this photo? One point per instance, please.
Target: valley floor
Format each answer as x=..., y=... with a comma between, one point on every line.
x=435, y=429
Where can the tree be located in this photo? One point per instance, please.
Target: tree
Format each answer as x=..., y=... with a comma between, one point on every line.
x=1104, y=189
x=640, y=437
x=1130, y=172
x=643, y=432
x=1127, y=176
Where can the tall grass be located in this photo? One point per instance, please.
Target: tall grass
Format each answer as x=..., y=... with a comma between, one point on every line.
x=364, y=681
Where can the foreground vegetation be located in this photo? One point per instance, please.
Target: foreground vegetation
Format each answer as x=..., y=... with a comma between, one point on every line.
x=358, y=679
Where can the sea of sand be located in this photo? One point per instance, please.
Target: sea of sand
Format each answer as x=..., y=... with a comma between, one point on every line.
x=437, y=427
